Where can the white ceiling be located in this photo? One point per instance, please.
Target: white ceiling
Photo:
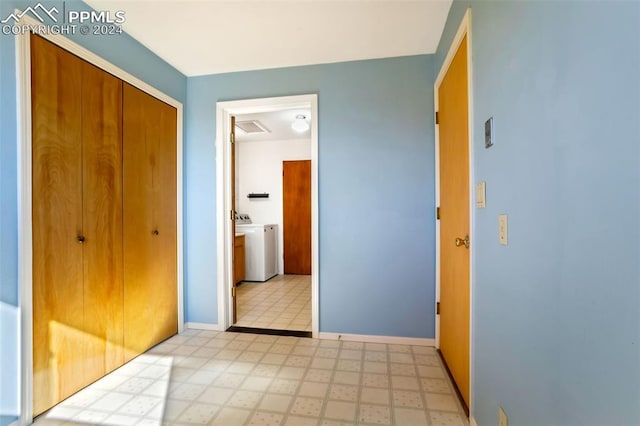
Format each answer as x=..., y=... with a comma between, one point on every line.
x=217, y=36
x=278, y=123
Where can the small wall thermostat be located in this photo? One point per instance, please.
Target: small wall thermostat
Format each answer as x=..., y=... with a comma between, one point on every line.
x=488, y=133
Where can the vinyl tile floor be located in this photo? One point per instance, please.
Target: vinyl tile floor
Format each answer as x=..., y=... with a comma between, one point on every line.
x=282, y=303
x=223, y=378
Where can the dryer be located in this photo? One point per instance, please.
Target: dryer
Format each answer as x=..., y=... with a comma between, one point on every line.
x=261, y=249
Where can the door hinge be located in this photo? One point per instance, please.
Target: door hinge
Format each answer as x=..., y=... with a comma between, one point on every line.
x=438, y=308
x=437, y=213
x=231, y=215
x=232, y=137
x=437, y=118
x=233, y=291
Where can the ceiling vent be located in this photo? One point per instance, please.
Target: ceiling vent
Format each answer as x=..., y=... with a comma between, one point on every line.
x=251, y=127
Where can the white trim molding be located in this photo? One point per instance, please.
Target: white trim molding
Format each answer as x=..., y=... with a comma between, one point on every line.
x=224, y=111
x=370, y=338
x=203, y=326
x=463, y=29
x=25, y=242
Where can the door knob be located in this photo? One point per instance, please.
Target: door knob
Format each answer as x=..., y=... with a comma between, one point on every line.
x=463, y=241
x=155, y=232
x=80, y=239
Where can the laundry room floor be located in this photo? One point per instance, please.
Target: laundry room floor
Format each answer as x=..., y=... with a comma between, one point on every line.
x=283, y=303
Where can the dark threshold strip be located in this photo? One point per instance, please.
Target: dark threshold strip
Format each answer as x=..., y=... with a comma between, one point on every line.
x=455, y=385
x=270, y=331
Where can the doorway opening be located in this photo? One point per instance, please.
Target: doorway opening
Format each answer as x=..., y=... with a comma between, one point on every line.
x=267, y=222
x=272, y=248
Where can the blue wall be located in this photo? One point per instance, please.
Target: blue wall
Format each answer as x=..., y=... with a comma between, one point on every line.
x=122, y=51
x=556, y=312
x=376, y=190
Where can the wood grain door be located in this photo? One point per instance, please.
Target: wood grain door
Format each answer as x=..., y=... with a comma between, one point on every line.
x=149, y=223
x=296, y=207
x=58, y=322
x=234, y=277
x=454, y=219
x=102, y=221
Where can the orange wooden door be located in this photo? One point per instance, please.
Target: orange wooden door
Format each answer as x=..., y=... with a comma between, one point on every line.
x=102, y=221
x=58, y=337
x=296, y=207
x=454, y=219
x=149, y=224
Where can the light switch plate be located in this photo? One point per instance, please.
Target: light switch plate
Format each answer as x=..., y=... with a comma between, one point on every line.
x=480, y=195
x=488, y=133
x=502, y=229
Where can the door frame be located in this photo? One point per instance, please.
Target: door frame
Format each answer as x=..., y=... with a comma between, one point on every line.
x=463, y=29
x=224, y=111
x=25, y=219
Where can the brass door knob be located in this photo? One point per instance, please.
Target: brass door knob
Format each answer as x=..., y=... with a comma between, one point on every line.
x=463, y=241
x=155, y=232
x=80, y=239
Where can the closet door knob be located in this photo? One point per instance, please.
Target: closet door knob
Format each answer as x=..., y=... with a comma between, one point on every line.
x=155, y=232
x=80, y=239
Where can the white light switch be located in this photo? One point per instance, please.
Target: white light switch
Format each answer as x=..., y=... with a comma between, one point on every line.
x=480, y=194
x=502, y=229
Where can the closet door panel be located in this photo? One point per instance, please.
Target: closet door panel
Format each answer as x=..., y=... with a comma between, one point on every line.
x=102, y=199
x=149, y=221
x=58, y=336
x=137, y=232
x=164, y=207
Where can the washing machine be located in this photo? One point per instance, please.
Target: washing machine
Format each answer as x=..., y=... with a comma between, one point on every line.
x=261, y=248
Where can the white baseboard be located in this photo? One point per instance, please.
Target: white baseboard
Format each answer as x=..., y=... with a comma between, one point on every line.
x=368, y=338
x=472, y=421
x=203, y=326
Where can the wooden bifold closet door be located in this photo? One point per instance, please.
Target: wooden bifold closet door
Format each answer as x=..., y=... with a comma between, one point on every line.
x=58, y=286
x=77, y=223
x=104, y=222
x=150, y=223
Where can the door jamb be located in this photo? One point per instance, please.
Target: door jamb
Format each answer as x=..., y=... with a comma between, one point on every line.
x=463, y=29
x=224, y=110
x=25, y=240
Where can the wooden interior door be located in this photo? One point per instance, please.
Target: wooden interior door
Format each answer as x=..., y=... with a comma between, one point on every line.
x=454, y=219
x=149, y=223
x=102, y=221
x=58, y=336
x=296, y=208
x=234, y=298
